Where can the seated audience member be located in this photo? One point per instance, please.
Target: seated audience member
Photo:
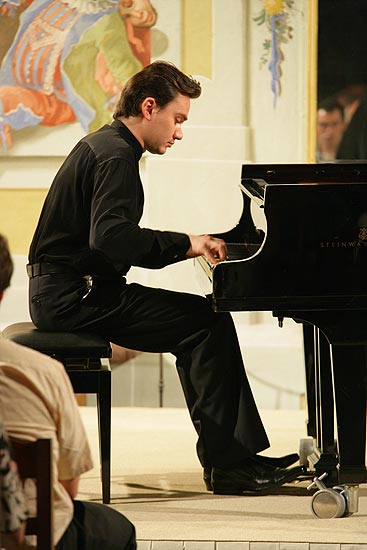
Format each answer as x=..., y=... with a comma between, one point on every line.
x=354, y=143
x=330, y=129
x=350, y=98
x=37, y=401
x=13, y=507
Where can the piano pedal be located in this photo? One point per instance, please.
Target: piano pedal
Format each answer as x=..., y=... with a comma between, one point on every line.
x=306, y=448
x=339, y=501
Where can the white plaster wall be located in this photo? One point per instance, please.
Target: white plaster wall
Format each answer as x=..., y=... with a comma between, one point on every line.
x=279, y=134
x=194, y=188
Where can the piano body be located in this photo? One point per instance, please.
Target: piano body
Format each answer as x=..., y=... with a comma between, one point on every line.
x=310, y=265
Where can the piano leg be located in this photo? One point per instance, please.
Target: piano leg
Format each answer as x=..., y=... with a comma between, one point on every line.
x=340, y=358
x=309, y=355
x=324, y=459
x=349, y=372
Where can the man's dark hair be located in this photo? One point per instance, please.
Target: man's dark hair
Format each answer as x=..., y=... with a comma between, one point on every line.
x=331, y=104
x=161, y=80
x=6, y=264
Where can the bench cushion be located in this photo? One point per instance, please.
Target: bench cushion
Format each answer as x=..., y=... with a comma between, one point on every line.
x=59, y=344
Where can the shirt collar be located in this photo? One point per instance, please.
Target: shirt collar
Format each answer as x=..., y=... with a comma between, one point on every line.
x=125, y=133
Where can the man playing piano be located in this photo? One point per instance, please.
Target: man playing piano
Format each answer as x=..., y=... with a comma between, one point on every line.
x=87, y=238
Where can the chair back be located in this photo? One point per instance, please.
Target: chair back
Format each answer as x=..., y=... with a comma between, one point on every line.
x=34, y=460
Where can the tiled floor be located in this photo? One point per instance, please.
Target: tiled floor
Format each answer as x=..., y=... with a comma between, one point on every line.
x=211, y=545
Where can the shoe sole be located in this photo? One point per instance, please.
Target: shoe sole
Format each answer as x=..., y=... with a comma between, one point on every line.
x=278, y=462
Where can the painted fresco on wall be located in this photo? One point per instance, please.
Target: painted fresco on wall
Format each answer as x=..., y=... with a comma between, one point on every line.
x=66, y=61
x=275, y=15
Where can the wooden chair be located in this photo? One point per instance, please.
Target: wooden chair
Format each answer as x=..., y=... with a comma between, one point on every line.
x=81, y=354
x=34, y=461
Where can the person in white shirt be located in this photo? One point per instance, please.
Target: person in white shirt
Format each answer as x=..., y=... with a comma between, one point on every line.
x=37, y=401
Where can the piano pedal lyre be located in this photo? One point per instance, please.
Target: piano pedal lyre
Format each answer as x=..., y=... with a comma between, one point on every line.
x=306, y=448
x=339, y=501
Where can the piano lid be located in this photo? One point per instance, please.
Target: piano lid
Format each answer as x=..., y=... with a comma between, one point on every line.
x=334, y=172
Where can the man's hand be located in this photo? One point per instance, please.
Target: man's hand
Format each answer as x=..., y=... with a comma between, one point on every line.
x=214, y=250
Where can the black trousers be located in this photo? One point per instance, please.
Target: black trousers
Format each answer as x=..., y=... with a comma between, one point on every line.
x=97, y=527
x=208, y=356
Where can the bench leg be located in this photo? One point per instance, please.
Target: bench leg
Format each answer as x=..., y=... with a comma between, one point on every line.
x=104, y=428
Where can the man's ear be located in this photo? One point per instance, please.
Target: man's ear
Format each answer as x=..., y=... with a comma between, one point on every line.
x=1, y=295
x=147, y=107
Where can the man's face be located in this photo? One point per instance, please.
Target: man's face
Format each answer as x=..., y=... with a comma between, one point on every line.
x=330, y=129
x=164, y=127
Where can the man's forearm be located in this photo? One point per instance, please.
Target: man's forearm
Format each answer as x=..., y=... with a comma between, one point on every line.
x=71, y=486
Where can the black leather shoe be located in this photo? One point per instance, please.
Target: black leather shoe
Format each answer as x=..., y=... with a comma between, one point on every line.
x=278, y=462
x=251, y=478
x=267, y=461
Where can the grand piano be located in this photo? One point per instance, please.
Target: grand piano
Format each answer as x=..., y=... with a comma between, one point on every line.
x=310, y=265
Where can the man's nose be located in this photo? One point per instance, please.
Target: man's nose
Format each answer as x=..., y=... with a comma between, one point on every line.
x=178, y=134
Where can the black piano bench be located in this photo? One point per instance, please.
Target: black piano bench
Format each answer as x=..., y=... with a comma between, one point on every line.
x=81, y=353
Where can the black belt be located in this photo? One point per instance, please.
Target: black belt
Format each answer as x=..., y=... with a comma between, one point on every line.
x=34, y=270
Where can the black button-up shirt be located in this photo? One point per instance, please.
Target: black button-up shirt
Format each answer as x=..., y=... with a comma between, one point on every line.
x=90, y=218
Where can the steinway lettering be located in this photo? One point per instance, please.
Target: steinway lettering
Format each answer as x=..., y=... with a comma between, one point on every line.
x=343, y=244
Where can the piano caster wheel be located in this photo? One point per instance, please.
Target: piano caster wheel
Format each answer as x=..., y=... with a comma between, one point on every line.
x=327, y=504
x=333, y=503
x=306, y=448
